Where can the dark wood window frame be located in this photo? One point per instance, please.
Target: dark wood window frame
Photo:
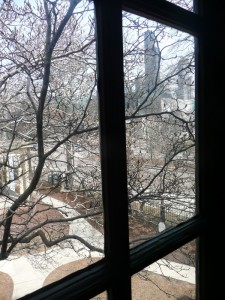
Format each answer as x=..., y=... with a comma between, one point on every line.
x=113, y=273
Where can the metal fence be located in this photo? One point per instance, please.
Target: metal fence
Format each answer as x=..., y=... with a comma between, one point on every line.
x=171, y=213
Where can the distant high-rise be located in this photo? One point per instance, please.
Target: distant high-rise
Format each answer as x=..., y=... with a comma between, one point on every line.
x=185, y=87
x=152, y=67
x=145, y=91
x=181, y=78
x=152, y=53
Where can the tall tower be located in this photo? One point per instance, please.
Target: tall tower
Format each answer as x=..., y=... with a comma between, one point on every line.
x=152, y=52
x=152, y=66
x=181, y=78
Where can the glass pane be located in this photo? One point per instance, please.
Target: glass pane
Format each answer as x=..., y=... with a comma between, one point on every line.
x=186, y=4
x=159, y=69
x=68, y=268
x=51, y=200
x=172, y=277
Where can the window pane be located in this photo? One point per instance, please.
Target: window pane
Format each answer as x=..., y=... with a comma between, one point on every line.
x=172, y=277
x=186, y=4
x=160, y=125
x=51, y=200
x=68, y=268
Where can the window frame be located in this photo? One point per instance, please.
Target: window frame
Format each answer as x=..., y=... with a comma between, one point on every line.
x=113, y=273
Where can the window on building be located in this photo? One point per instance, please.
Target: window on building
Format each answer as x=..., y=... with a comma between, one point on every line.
x=160, y=195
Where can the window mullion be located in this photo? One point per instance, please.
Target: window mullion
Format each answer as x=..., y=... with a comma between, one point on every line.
x=150, y=251
x=113, y=143
x=165, y=12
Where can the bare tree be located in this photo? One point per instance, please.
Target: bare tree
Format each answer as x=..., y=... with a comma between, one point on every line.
x=47, y=87
x=49, y=121
x=159, y=82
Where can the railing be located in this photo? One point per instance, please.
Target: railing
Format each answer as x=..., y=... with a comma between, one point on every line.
x=171, y=213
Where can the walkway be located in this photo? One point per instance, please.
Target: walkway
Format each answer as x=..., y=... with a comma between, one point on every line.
x=29, y=272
